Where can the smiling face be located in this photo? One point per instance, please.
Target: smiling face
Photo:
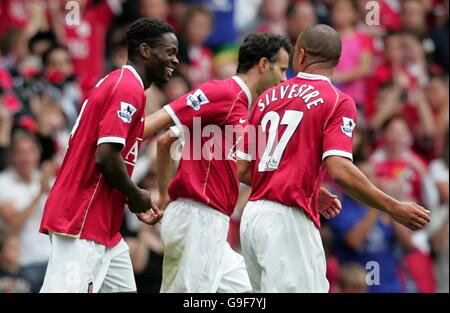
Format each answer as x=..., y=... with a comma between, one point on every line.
x=162, y=59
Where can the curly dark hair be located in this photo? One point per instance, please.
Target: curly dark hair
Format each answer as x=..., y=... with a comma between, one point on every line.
x=260, y=45
x=145, y=30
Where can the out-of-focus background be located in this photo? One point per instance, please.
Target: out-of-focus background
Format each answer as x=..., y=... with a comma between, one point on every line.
x=394, y=64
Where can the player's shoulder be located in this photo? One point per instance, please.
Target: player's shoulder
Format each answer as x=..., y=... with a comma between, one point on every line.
x=218, y=88
x=344, y=98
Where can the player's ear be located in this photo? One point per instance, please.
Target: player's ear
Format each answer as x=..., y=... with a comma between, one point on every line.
x=263, y=64
x=145, y=50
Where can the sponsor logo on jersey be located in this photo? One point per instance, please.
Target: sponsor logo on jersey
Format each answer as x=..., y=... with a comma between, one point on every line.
x=197, y=99
x=348, y=126
x=126, y=112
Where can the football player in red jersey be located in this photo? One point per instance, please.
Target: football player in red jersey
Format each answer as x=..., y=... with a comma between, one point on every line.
x=85, y=207
x=309, y=126
x=205, y=189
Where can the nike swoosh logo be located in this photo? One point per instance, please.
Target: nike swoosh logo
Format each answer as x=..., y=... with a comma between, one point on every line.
x=241, y=120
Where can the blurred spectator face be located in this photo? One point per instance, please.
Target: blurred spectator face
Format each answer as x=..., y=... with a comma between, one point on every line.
x=198, y=28
x=437, y=93
x=273, y=10
x=414, y=15
x=303, y=17
x=393, y=51
x=59, y=61
x=10, y=253
x=119, y=56
x=155, y=8
x=276, y=72
x=414, y=51
x=343, y=14
x=174, y=88
x=25, y=156
x=397, y=136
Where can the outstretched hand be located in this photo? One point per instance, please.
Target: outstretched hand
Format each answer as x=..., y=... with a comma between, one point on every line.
x=151, y=217
x=411, y=215
x=329, y=204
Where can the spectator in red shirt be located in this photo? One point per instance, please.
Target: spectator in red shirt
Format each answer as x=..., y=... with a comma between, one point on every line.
x=86, y=41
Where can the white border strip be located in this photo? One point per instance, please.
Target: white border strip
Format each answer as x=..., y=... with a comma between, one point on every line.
x=111, y=140
x=245, y=88
x=313, y=76
x=135, y=73
x=345, y=154
x=244, y=156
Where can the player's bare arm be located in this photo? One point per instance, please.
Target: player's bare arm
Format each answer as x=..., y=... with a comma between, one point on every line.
x=244, y=173
x=357, y=185
x=164, y=166
x=155, y=122
x=109, y=160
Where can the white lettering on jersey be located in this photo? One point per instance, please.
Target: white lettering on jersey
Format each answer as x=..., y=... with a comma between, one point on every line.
x=131, y=156
x=197, y=99
x=126, y=111
x=306, y=92
x=348, y=126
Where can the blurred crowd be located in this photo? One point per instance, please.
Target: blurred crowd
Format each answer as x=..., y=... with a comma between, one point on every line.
x=394, y=64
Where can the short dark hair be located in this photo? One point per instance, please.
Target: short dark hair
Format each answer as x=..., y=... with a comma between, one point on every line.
x=322, y=44
x=48, y=52
x=260, y=45
x=41, y=36
x=145, y=30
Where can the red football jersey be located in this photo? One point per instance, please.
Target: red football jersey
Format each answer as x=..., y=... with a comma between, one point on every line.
x=82, y=203
x=301, y=122
x=207, y=168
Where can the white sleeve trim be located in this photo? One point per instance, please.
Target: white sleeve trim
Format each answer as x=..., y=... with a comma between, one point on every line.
x=174, y=118
x=244, y=156
x=115, y=6
x=111, y=140
x=345, y=154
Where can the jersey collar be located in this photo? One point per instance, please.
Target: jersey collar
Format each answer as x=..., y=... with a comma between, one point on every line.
x=313, y=76
x=135, y=73
x=245, y=88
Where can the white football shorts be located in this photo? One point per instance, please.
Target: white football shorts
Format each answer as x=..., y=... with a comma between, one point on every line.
x=83, y=266
x=197, y=256
x=282, y=249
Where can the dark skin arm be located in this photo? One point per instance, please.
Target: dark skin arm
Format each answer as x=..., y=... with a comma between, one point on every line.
x=358, y=186
x=109, y=160
x=164, y=166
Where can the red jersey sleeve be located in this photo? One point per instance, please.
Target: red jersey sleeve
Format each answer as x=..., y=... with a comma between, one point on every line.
x=206, y=102
x=339, y=129
x=120, y=112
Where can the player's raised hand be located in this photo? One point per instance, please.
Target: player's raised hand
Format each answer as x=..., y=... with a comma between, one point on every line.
x=411, y=215
x=329, y=204
x=140, y=201
x=152, y=216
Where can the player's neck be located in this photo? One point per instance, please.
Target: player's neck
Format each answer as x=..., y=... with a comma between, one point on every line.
x=327, y=72
x=252, y=83
x=141, y=72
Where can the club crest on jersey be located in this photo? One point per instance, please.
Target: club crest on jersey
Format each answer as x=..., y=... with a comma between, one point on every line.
x=197, y=99
x=348, y=126
x=126, y=112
